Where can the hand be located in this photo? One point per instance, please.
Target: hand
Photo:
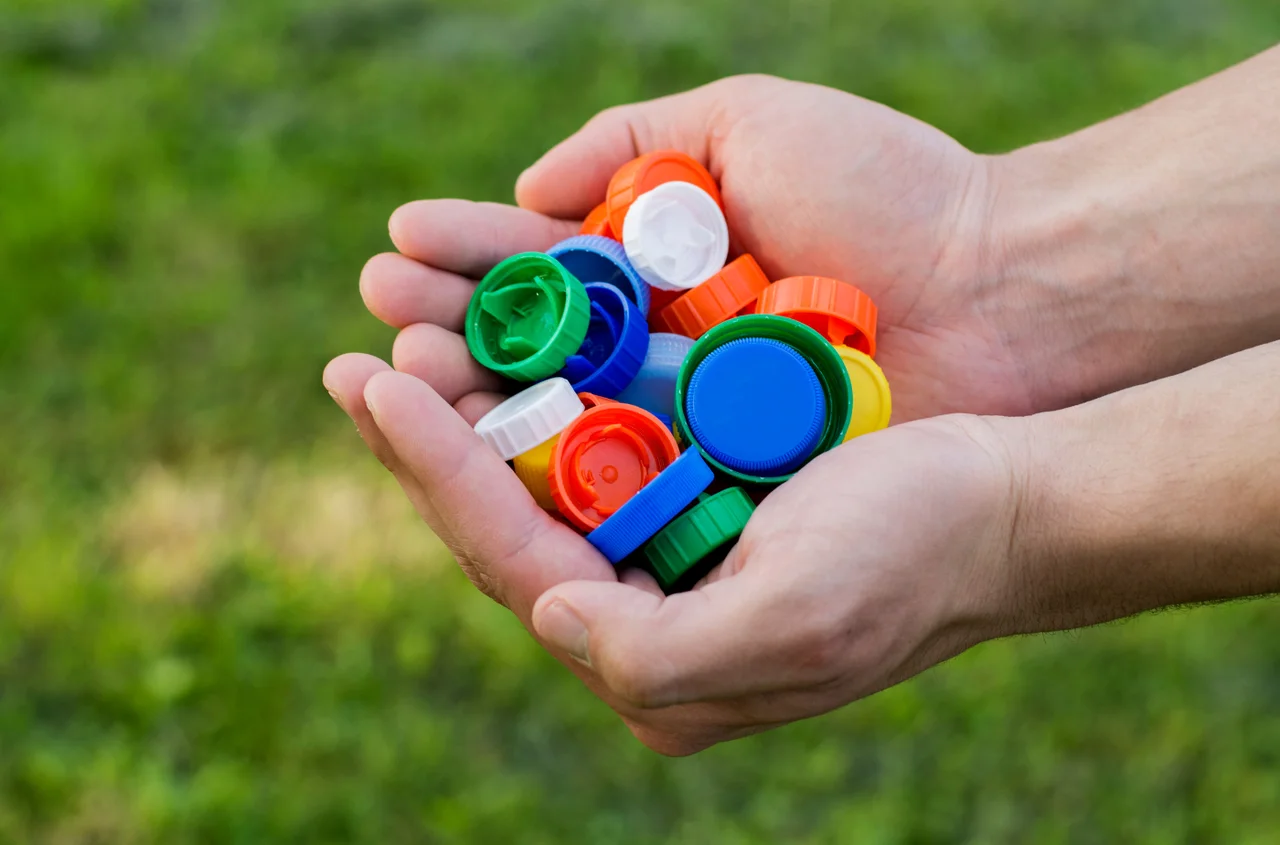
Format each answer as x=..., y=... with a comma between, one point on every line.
x=878, y=560
x=815, y=181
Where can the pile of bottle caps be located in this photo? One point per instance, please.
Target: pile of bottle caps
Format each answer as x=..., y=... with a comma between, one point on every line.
x=671, y=387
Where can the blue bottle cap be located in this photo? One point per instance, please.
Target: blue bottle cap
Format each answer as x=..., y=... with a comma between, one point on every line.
x=756, y=406
x=650, y=510
x=591, y=258
x=615, y=347
x=654, y=387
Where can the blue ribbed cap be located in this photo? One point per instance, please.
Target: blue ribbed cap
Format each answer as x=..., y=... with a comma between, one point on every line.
x=654, y=387
x=591, y=258
x=756, y=406
x=650, y=510
x=615, y=347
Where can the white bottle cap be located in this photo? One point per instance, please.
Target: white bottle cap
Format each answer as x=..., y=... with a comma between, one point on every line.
x=676, y=236
x=530, y=418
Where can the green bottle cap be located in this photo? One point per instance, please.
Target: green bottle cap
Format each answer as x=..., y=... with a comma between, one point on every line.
x=690, y=539
x=527, y=316
x=821, y=355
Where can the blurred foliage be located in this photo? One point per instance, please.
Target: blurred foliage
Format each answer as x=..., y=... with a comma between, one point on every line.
x=187, y=191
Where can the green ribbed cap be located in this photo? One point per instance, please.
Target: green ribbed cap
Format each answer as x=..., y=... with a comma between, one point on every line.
x=715, y=520
x=821, y=355
x=527, y=316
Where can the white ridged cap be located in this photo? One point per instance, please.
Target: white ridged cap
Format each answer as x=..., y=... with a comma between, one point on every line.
x=530, y=418
x=676, y=236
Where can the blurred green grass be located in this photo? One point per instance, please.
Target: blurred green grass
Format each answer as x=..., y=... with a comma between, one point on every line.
x=218, y=623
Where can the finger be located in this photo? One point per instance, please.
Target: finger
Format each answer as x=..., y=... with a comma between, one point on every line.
x=507, y=544
x=641, y=580
x=469, y=238
x=730, y=639
x=441, y=359
x=473, y=406
x=573, y=177
x=400, y=292
x=346, y=378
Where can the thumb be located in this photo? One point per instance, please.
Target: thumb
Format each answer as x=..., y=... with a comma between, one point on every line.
x=730, y=638
x=573, y=177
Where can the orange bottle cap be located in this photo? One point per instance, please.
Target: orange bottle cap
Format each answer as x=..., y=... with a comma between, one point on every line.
x=648, y=172
x=597, y=222
x=730, y=293
x=837, y=310
x=604, y=458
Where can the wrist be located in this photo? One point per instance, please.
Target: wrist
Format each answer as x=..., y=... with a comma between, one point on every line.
x=1159, y=495
x=1058, y=275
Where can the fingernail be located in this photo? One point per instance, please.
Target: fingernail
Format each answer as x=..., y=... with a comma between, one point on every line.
x=563, y=629
x=373, y=411
x=333, y=394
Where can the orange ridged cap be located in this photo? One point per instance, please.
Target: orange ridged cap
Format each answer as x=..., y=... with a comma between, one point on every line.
x=604, y=458
x=838, y=311
x=728, y=294
x=597, y=223
x=648, y=172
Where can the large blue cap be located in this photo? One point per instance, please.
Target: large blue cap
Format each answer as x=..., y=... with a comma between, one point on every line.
x=591, y=258
x=654, y=387
x=756, y=406
x=615, y=347
x=650, y=510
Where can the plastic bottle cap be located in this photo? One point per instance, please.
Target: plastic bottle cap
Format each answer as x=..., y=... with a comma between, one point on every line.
x=604, y=458
x=659, y=299
x=526, y=317
x=649, y=511
x=615, y=346
x=591, y=400
x=837, y=310
x=597, y=222
x=756, y=405
x=676, y=236
x=815, y=349
x=724, y=296
x=591, y=258
x=532, y=467
x=643, y=174
x=532, y=416
x=872, y=401
x=654, y=387
x=716, y=520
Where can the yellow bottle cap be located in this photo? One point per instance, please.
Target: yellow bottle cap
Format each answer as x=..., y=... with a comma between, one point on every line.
x=872, y=402
x=532, y=468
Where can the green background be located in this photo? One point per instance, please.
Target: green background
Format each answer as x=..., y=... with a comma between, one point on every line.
x=218, y=620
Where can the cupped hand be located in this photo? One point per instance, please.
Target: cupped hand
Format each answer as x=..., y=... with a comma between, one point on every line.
x=876, y=561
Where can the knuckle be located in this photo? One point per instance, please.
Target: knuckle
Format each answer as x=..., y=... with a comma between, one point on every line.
x=665, y=742
x=642, y=683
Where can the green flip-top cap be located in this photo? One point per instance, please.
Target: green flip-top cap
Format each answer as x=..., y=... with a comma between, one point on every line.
x=820, y=354
x=714, y=521
x=527, y=316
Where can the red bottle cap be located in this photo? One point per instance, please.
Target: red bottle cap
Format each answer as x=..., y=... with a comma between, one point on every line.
x=648, y=172
x=597, y=222
x=730, y=293
x=659, y=299
x=837, y=310
x=604, y=458
x=590, y=400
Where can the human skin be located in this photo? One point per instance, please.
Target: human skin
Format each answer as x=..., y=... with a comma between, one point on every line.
x=1008, y=285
